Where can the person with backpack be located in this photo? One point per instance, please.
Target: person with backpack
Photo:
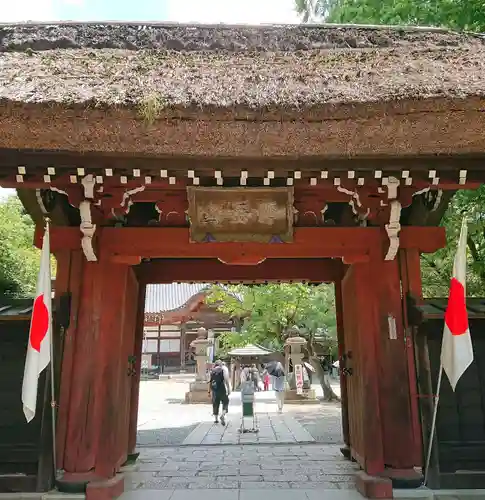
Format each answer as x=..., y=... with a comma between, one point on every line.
x=220, y=389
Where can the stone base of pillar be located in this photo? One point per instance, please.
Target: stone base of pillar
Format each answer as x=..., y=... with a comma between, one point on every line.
x=345, y=450
x=309, y=397
x=75, y=482
x=131, y=458
x=94, y=487
x=198, y=393
x=404, y=478
x=107, y=489
x=373, y=486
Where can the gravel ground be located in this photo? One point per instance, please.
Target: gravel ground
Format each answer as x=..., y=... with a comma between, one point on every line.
x=164, y=421
x=170, y=436
x=323, y=422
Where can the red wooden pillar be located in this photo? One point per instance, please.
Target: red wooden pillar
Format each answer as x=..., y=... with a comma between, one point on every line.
x=410, y=266
x=68, y=281
x=343, y=382
x=396, y=403
x=385, y=442
x=379, y=400
x=95, y=394
x=361, y=327
x=135, y=382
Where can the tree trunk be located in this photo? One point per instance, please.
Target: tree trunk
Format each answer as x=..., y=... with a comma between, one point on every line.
x=328, y=394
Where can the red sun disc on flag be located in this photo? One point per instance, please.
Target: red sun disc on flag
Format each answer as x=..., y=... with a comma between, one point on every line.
x=40, y=323
x=456, y=317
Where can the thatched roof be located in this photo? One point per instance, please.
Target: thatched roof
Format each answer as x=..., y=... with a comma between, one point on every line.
x=157, y=67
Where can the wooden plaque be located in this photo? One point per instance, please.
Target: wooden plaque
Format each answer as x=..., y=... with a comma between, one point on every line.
x=240, y=214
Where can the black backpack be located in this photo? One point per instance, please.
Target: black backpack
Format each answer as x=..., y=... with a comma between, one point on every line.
x=217, y=378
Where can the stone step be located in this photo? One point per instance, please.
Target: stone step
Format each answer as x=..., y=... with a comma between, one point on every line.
x=427, y=494
x=50, y=495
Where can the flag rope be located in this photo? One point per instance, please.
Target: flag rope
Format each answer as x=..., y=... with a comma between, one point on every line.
x=53, y=386
x=433, y=425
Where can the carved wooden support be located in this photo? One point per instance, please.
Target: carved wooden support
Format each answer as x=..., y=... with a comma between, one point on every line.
x=172, y=211
x=354, y=201
x=394, y=226
x=121, y=201
x=87, y=227
x=366, y=201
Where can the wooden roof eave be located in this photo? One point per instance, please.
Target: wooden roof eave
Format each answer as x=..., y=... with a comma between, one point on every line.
x=431, y=309
x=394, y=128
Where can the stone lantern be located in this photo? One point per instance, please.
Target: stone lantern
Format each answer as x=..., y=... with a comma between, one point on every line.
x=295, y=345
x=198, y=392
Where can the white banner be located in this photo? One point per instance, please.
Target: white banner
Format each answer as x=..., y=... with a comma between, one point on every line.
x=299, y=379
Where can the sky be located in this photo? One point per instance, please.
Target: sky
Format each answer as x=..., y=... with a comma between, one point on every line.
x=183, y=11
x=201, y=11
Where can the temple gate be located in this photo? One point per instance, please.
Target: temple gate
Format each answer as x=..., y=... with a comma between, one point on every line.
x=273, y=182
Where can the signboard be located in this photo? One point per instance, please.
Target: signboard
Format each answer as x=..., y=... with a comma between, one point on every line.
x=247, y=399
x=299, y=379
x=145, y=361
x=240, y=214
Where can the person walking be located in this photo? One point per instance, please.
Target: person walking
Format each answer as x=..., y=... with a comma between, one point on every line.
x=266, y=379
x=279, y=382
x=220, y=388
x=245, y=374
x=255, y=378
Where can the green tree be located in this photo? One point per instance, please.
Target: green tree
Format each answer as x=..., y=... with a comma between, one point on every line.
x=269, y=312
x=466, y=15
x=19, y=260
x=437, y=267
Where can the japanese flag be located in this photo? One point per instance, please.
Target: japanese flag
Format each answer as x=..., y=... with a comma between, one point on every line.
x=39, y=347
x=456, y=350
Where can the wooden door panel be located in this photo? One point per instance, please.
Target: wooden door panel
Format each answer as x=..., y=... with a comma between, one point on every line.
x=126, y=378
x=353, y=380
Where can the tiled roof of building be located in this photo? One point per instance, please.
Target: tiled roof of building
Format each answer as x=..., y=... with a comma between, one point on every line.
x=167, y=297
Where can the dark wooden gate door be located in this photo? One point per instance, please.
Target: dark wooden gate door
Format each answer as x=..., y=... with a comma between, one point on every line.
x=126, y=367
x=358, y=364
x=350, y=367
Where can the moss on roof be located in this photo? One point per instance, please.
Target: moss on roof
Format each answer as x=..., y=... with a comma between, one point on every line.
x=157, y=67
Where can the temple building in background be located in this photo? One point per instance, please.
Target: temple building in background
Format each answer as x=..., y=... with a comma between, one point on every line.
x=173, y=314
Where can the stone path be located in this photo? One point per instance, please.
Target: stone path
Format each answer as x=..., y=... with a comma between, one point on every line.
x=247, y=467
x=323, y=421
x=265, y=494
x=165, y=421
x=272, y=428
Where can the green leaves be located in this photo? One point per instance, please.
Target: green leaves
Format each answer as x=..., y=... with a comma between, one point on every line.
x=19, y=260
x=437, y=268
x=467, y=15
x=269, y=311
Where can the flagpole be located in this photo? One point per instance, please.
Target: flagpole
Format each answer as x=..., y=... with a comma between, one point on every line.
x=53, y=386
x=433, y=424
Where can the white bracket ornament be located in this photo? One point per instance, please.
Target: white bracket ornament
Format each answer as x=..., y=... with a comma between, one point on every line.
x=394, y=227
x=87, y=227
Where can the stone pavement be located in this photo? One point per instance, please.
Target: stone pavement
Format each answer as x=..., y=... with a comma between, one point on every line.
x=164, y=419
x=247, y=467
x=272, y=428
x=265, y=494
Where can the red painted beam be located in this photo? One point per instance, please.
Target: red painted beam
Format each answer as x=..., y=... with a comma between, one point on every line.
x=315, y=242
x=210, y=270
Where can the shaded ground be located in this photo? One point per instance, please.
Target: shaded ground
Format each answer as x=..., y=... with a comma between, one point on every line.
x=164, y=420
x=243, y=467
